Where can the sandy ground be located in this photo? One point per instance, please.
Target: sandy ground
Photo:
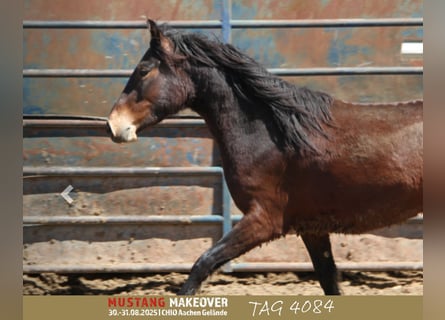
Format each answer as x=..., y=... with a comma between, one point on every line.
x=288, y=283
x=362, y=248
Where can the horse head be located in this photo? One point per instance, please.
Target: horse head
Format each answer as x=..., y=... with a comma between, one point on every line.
x=158, y=87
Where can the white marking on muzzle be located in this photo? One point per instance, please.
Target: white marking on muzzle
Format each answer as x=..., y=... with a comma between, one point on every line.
x=122, y=129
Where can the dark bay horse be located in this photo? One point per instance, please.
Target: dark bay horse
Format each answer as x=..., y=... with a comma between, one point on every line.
x=293, y=158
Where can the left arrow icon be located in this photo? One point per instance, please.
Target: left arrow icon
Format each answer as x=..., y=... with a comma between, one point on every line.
x=65, y=193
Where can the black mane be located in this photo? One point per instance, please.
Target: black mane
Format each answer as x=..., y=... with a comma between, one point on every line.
x=296, y=111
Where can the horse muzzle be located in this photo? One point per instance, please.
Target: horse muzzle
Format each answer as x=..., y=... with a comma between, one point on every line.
x=121, y=132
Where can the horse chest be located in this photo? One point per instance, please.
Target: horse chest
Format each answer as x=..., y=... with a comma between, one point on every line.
x=254, y=178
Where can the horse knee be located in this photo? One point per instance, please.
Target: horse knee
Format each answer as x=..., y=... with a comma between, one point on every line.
x=252, y=230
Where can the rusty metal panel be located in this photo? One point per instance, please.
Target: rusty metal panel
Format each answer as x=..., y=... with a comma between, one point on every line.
x=131, y=196
x=324, y=9
x=69, y=96
x=96, y=49
x=122, y=10
x=335, y=47
x=308, y=47
x=157, y=147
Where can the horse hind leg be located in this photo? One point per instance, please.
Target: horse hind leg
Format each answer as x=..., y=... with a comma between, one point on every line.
x=319, y=248
x=250, y=232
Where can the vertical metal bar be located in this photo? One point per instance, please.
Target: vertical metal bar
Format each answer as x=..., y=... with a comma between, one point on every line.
x=226, y=16
x=226, y=203
x=227, y=217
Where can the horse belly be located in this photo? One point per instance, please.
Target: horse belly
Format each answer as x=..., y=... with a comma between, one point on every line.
x=354, y=210
x=356, y=194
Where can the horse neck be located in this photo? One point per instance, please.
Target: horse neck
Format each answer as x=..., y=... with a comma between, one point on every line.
x=217, y=104
x=239, y=131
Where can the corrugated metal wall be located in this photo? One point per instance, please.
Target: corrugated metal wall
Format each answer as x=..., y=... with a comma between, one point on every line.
x=189, y=145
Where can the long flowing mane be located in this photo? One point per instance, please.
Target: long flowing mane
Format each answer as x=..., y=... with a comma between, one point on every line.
x=296, y=111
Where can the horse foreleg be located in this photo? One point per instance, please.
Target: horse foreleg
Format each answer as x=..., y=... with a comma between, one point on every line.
x=319, y=247
x=250, y=232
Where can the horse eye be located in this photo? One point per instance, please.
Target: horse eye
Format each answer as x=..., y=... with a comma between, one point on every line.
x=143, y=72
x=147, y=66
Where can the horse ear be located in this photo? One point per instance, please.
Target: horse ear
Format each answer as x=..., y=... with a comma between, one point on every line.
x=158, y=38
x=153, y=28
